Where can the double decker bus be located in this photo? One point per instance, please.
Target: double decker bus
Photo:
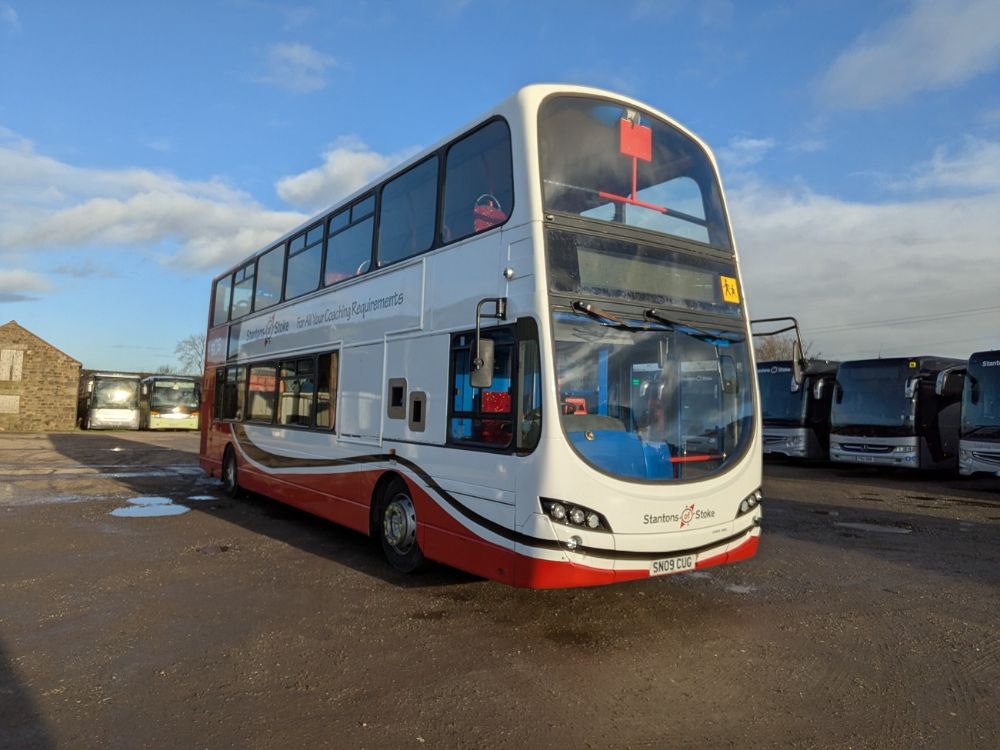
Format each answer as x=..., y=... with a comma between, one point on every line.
x=108, y=401
x=979, y=442
x=523, y=353
x=901, y=412
x=169, y=402
x=796, y=416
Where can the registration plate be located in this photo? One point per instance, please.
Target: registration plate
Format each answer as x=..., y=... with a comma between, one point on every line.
x=672, y=565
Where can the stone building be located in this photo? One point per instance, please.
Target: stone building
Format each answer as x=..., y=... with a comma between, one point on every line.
x=38, y=383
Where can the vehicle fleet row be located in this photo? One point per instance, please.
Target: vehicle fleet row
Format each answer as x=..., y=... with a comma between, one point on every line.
x=921, y=412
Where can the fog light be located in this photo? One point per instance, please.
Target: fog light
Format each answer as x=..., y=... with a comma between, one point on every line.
x=573, y=542
x=558, y=511
x=576, y=516
x=593, y=520
x=744, y=506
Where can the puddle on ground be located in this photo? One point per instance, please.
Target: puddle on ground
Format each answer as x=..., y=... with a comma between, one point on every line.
x=150, y=507
x=739, y=588
x=876, y=527
x=202, y=497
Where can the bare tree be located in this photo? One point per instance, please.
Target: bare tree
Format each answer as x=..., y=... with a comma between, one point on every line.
x=779, y=347
x=190, y=353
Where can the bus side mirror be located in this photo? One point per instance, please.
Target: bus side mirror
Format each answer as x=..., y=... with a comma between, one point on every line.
x=482, y=363
x=911, y=387
x=949, y=383
x=798, y=364
x=482, y=367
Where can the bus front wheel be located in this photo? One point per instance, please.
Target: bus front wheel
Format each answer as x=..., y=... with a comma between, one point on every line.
x=397, y=524
x=230, y=474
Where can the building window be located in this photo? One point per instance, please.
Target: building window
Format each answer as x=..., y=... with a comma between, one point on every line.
x=10, y=404
x=11, y=364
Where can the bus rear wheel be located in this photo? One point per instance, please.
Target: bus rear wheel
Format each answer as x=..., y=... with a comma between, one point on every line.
x=230, y=473
x=397, y=525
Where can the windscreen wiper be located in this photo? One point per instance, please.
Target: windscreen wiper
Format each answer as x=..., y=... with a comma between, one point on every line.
x=606, y=318
x=715, y=338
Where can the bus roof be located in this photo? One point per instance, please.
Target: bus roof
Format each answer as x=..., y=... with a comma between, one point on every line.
x=816, y=366
x=527, y=98
x=925, y=363
x=988, y=355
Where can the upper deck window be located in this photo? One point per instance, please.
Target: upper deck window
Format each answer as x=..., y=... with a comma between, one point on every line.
x=478, y=184
x=349, y=248
x=305, y=254
x=408, y=213
x=243, y=289
x=603, y=161
x=223, y=296
x=270, y=269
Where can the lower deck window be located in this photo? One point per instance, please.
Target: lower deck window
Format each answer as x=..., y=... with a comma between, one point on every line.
x=300, y=392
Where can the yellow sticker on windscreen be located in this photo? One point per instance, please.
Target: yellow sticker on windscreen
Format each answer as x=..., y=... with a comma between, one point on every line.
x=730, y=292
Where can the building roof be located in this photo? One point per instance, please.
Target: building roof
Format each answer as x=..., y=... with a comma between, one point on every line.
x=14, y=325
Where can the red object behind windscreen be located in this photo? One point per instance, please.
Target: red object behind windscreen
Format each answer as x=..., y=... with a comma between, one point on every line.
x=636, y=140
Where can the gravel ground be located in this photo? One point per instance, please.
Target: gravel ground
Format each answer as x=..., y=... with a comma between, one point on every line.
x=869, y=619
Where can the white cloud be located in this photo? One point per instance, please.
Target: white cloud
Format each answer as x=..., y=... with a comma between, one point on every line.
x=831, y=262
x=17, y=285
x=296, y=67
x=347, y=166
x=936, y=45
x=8, y=17
x=975, y=167
x=744, y=152
x=22, y=281
x=46, y=204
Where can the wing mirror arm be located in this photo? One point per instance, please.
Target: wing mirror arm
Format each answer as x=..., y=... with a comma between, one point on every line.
x=482, y=363
x=800, y=365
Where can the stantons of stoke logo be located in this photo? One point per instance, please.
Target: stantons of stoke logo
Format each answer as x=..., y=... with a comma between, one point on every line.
x=687, y=515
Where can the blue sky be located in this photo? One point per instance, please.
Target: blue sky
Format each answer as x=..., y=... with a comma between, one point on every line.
x=146, y=146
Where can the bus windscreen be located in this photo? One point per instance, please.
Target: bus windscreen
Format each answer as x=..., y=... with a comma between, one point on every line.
x=603, y=161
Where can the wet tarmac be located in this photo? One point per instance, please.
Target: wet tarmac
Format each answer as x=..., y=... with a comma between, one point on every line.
x=869, y=619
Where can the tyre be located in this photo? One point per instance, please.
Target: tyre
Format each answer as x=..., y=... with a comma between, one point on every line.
x=230, y=473
x=396, y=517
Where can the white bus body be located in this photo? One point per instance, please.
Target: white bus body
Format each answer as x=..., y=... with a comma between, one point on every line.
x=354, y=401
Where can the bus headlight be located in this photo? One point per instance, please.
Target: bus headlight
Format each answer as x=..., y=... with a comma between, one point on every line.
x=750, y=502
x=574, y=515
